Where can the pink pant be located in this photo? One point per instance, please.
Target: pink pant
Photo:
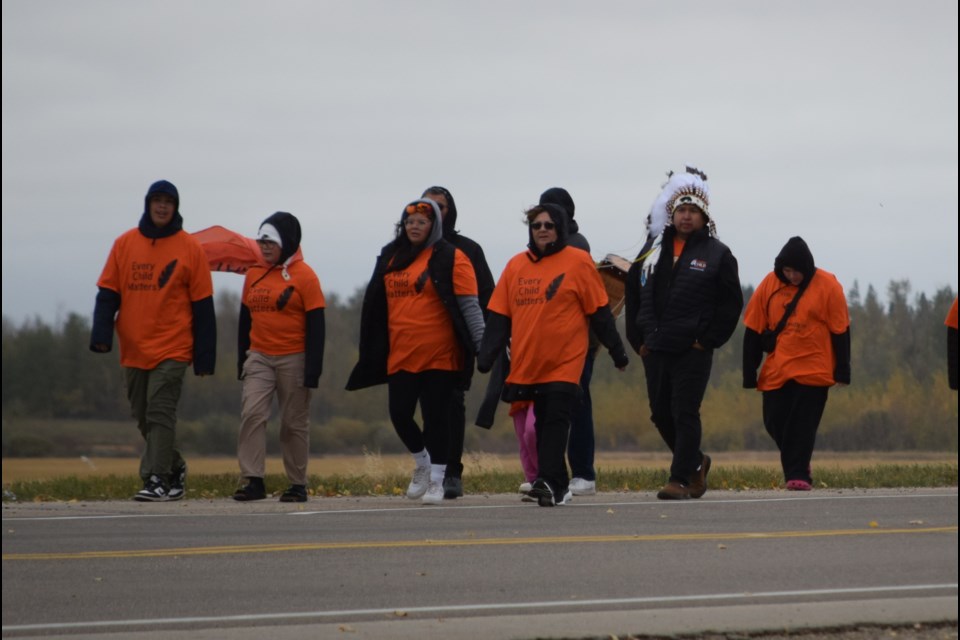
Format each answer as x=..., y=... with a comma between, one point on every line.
x=524, y=425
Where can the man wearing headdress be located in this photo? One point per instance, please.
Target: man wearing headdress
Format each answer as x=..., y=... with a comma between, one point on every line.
x=683, y=300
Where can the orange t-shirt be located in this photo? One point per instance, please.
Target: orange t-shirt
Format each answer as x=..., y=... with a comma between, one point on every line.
x=422, y=336
x=157, y=281
x=278, y=307
x=951, y=320
x=548, y=302
x=804, y=350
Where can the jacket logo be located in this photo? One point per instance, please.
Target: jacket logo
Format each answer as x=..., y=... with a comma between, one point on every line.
x=165, y=274
x=553, y=287
x=284, y=298
x=421, y=281
x=698, y=265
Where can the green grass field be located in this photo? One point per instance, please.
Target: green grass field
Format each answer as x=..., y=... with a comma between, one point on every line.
x=83, y=478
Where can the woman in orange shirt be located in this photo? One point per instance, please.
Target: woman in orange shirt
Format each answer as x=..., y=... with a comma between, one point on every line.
x=420, y=326
x=951, y=323
x=810, y=354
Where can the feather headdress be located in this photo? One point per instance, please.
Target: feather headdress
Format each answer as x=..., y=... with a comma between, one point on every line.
x=688, y=187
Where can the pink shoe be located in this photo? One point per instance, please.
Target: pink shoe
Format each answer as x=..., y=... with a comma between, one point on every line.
x=798, y=485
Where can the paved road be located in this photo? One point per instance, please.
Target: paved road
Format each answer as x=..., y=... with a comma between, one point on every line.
x=482, y=567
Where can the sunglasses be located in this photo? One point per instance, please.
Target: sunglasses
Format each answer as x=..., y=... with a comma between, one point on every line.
x=420, y=207
x=549, y=226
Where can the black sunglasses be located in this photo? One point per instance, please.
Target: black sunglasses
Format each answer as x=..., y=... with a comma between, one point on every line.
x=549, y=226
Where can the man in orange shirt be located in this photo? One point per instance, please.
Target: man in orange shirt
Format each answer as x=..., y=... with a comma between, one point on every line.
x=156, y=288
x=806, y=354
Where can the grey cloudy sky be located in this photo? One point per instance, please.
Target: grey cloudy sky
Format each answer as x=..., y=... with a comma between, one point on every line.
x=836, y=121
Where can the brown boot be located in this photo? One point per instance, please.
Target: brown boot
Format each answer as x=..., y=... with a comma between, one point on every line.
x=674, y=490
x=699, y=485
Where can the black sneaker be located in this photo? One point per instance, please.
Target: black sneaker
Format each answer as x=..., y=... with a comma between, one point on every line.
x=294, y=493
x=178, y=480
x=253, y=490
x=543, y=493
x=452, y=488
x=154, y=490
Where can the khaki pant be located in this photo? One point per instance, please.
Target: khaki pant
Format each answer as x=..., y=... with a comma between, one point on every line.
x=154, y=395
x=264, y=376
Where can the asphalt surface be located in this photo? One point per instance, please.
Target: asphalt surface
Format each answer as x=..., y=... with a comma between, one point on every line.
x=480, y=567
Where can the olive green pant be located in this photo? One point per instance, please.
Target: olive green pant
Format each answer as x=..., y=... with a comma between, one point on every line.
x=154, y=394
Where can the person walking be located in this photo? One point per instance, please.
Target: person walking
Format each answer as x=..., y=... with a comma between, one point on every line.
x=453, y=478
x=545, y=302
x=951, y=323
x=582, y=444
x=156, y=291
x=683, y=301
x=420, y=326
x=280, y=343
x=798, y=317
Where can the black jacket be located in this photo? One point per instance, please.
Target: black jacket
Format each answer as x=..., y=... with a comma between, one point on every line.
x=698, y=300
x=371, y=367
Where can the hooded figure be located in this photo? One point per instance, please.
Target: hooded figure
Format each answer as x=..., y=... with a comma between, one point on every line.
x=147, y=226
x=559, y=196
x=280, y=343
x=803, y=311
x=558, y=216
x=796, y=255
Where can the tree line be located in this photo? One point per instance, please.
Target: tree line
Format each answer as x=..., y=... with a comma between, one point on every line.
x=899, y=398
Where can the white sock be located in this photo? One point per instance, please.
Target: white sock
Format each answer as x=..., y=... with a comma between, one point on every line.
x=436, y=472
x=422, y=458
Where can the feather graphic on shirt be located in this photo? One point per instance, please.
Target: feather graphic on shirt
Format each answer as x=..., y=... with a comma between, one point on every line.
x=284, y=298
x=553, y=287
x=165, y=274
x=421, y=281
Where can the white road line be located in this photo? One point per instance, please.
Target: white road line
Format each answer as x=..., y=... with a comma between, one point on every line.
x=348, y=613
x=686, y=504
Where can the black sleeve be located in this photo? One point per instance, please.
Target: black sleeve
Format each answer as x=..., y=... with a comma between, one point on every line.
x=316, y=337
x=243, y=338
x=485, y=282
x=604, y=326
x=952, y=357
x=841, y=352
x=729, y=305
x=104, y=312
x=632, y=307
x=204, y=336
x=496, y=333
x=752, y=355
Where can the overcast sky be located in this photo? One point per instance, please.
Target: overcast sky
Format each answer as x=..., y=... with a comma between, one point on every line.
x=832, y=120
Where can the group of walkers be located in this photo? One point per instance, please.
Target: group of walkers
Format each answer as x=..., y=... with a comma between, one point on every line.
x=432, y=313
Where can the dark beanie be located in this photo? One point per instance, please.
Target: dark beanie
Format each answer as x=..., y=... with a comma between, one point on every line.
x=162, y=186
x=559, y=196
x=796, y=255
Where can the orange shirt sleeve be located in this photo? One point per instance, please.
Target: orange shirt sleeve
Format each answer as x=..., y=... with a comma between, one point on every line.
x=464, y=277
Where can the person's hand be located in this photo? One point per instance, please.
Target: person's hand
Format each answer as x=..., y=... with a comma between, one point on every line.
x=643, y=351
x=698, y=346
x=102, y=348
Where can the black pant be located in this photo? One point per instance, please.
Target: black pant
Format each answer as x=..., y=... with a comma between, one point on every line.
x=552, y=411
x=580, y=450
x=676, y=383
x=457, y=430
x=433, y=390
x=792, y=415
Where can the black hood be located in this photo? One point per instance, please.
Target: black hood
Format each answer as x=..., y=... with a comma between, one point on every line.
x=796, y=255
x=560, y=196
x=450, y=218
x=559, y=216
x=146, y=226
x=288, y=227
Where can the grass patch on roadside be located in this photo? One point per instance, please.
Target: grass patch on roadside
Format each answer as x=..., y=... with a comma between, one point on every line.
x=377, y=479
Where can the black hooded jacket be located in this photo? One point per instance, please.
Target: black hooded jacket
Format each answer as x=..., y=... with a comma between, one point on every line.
x=288, y=227
x=204, y=317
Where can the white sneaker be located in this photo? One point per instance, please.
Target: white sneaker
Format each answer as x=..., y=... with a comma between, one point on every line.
x=419, y=482
x=525, y=487
x=582, y=487
x=567, y=498
x=433, y=494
